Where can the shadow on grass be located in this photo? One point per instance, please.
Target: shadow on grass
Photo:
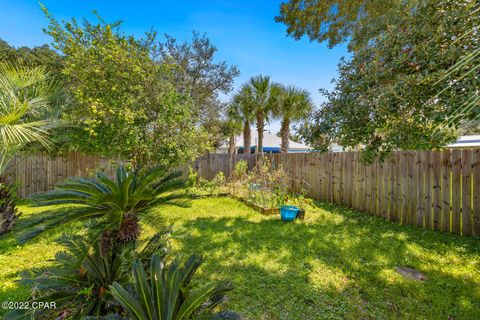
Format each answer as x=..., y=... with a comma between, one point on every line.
x=338, y=268
x=337, y=264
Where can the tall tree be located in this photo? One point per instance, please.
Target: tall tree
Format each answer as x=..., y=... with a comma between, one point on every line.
x=259, y=94
x=232, y=126
x=356, y=21
x=38, y=56
x=24, y=92
x=293, y=105
x=243, y=109
x=196, y=73
x=123, y=106
x=412, y=85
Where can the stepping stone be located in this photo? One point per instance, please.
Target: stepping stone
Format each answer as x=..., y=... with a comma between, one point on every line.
x=411, y=273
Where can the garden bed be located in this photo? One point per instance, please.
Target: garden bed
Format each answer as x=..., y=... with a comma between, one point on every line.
x=256, y=207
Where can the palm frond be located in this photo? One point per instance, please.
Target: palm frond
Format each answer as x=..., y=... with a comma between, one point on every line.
x=130, y=194
x=167, y=295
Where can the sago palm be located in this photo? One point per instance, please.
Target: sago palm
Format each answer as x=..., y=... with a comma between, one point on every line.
x=292, y=105
x=166, y=293
x=78, y=278
x=116, y=204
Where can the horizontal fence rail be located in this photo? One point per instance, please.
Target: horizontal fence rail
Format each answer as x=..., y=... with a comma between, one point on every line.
x=437, y=190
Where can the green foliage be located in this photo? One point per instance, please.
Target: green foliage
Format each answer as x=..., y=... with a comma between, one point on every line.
x=268, y=186
x=24, y=94
x=123, y=106
x=204, y=187
x=411, y=87
x=255, y=101
x=192, y=178
x=240, y=170
x=232, y=126
x=80, y=276
x=39, y=56
x=293, y=105
x=116, y=205
x=195, y=72
x=338, y=21
x=167, y=295
x=214, y=186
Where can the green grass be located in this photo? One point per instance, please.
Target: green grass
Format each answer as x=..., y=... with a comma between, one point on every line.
x=337, y=264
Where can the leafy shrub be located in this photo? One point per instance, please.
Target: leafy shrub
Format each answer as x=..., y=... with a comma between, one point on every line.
x=299, y=200
x=208, y=187
x=240, y=171
x=192, y=178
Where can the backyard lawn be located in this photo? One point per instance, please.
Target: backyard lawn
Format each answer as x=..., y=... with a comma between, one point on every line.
x=336, y=264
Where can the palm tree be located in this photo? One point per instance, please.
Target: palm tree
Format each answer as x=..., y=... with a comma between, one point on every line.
x=24, y=91
x=244, y=110
x=232, y=126
x=293, y=105
x=262, y=98
x=117, y=205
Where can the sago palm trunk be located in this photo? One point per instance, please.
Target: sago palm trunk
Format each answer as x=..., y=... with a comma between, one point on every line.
x=285, y=134
x=260, y=128
x=247, y=136
x=129, y=231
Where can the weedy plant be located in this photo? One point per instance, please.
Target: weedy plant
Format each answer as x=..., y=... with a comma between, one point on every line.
x=271, y=185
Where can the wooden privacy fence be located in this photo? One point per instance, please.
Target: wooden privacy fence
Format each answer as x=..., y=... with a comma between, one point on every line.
x=40, y=172
x=437, y=190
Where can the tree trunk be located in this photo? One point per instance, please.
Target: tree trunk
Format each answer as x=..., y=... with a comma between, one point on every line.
x=260, y=127
x=247, y=136
x=8, y=210
x=285, y=134
x=231, y=144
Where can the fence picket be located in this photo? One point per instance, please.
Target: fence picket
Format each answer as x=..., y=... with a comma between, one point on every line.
x=466, y=192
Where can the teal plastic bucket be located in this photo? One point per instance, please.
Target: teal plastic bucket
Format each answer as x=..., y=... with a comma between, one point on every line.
x=289, y=213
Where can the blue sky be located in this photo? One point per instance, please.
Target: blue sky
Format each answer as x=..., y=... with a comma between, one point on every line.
x=244, y=33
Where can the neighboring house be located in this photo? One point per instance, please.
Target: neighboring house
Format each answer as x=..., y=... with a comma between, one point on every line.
x=271, y=144
x=335, y=147
x=470, y=141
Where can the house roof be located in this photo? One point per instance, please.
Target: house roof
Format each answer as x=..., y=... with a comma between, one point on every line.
x=470, y=141
x=271, y=141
